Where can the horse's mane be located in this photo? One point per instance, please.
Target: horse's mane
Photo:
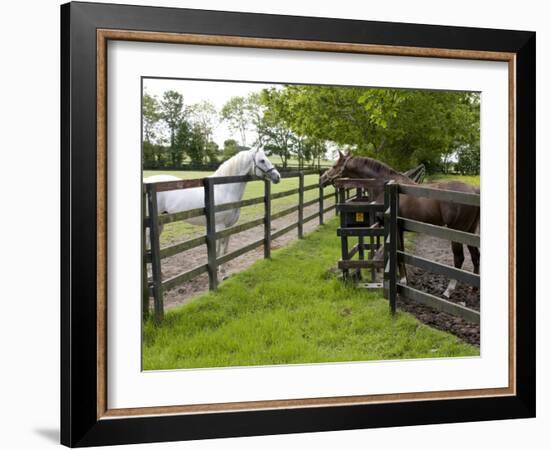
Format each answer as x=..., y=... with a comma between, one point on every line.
x=382, y=169
x=234, y=165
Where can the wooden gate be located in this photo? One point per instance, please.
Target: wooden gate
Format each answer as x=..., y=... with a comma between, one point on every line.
x=358, y=218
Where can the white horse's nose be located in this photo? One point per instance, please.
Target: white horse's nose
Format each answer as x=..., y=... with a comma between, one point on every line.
x=275, y=177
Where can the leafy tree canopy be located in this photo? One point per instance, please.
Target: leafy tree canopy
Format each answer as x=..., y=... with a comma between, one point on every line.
x=400, y=127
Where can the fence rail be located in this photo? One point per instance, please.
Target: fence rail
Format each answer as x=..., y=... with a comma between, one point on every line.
x=153, y=221
x=440, y=194
x=394, y=256
x=438, y=231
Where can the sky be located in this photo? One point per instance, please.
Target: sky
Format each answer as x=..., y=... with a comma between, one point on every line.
x=216, y=92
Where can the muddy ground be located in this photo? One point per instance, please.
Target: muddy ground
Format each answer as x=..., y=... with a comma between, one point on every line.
x=439, y=250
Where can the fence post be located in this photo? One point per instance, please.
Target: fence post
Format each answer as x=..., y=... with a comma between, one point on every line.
x=394, y=196
x=341, y=198
x=154, y=237
x=321, y=201
x=301, y=206
x=372, y=221
x=267, y=219
x=144, y=277
x=211, y=232
x=344, y=238
x=386, y=216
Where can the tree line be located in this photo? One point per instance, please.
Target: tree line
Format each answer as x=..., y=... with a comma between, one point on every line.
x=400, y=127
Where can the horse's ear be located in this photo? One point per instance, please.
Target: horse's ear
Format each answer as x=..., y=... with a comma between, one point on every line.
x=340, y=154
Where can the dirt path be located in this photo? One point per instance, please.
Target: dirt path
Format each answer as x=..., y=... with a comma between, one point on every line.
x=440, y=250
x=187, y=260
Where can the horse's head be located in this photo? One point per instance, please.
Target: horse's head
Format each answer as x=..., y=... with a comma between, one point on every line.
x=338, y=170
x=263, y=167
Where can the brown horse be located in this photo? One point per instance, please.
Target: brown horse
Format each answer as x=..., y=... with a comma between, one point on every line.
x=435, y=212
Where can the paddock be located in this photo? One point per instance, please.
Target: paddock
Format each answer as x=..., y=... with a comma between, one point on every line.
x=311, y=199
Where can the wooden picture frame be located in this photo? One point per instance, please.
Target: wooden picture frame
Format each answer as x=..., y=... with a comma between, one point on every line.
x=85, y=417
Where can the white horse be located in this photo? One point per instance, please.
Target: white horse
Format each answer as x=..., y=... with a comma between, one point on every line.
x=247, y=162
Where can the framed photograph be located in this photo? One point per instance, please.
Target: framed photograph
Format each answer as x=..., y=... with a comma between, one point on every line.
x=278, y=224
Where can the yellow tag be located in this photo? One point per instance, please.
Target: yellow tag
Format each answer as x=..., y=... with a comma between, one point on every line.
x=359, y=217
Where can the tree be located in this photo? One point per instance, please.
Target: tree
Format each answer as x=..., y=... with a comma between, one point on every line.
x=151, y=117
x=153, y=149
x=274, y=133
x=237, y=113
x=205, y=117
x=174, y=115
x=468, y=160
x=182, y=141
x=313, y=150
x=327, y=113
x=195, y=145
x=211, y=152
x=230, y=148
x=401, y=127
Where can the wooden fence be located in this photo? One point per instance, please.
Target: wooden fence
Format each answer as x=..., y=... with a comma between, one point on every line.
x=154, y=254
x=394, y=256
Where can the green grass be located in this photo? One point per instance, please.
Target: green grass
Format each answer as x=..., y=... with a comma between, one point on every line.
x=470, y=179
x=291, y=310
x=294, y=161
x=178, y=231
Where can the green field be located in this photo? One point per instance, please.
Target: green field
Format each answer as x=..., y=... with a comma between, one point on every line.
x=289, y=310
x=176, y=232
x=470, y=179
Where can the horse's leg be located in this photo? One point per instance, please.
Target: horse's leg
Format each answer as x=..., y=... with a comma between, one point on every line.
x=219, y=250
x=474, y=253
x=222, y=250
x=226, y=245
x=225, y=248
x=458, y=254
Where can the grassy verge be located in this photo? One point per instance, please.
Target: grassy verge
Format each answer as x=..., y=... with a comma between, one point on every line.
x=175, y=232
x=470, y=179
x=290, y=310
